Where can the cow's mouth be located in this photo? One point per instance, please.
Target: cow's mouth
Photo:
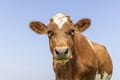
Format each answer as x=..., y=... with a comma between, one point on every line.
x=62, y=60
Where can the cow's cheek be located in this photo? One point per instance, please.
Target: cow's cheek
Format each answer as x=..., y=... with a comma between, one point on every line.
x=52, y=47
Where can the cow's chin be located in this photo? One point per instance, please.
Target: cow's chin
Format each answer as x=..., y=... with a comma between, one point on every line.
x=63, y=60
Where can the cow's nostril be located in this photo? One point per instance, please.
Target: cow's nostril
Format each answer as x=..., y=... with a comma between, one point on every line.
x=66, y=51
x=56, y=52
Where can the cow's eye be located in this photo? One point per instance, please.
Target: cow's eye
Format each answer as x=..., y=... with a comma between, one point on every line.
x=71, y=32
x=50, y=33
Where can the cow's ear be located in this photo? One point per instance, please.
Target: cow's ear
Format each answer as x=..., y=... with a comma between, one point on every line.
x=82, y=24
x=38, y=27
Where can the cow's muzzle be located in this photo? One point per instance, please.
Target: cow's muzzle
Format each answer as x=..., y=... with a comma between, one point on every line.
x=61, y=52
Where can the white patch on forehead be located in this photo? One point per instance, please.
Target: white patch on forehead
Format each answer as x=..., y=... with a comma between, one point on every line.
x=106, y=76
x=60, y=19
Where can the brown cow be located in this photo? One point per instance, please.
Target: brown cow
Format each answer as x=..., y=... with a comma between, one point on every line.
x=74, y=56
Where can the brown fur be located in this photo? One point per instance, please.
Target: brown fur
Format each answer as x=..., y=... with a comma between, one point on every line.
x=83, y=66
x=104, y=60
x=82, y=61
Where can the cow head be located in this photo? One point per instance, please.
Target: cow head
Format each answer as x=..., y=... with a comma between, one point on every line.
x=61, y=31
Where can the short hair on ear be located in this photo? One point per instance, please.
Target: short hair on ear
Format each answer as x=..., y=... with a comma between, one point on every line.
x=38, y=27
x=83, y=24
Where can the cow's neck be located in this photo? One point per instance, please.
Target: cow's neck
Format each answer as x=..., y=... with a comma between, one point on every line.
x=63, y=71
x=85, y=56
x=82, y=47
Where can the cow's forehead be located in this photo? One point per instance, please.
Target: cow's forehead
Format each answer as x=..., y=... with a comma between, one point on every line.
x=60, y=19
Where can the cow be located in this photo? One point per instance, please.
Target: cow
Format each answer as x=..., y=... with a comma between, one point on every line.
x=75, y=57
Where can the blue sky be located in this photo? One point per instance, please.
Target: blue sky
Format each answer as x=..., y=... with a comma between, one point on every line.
x=25, y=55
